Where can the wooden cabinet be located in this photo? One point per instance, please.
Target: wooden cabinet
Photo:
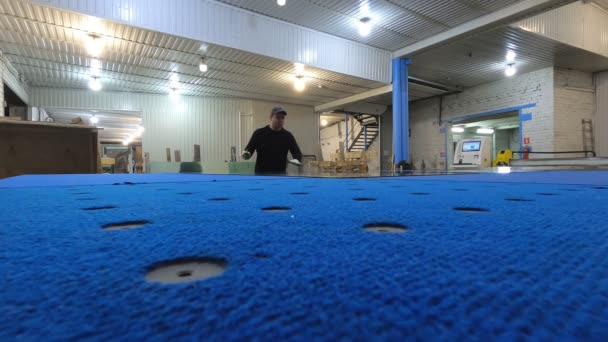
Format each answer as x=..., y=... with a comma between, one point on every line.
x=28, y=147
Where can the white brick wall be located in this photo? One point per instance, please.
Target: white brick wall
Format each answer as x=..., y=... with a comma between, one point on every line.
x=428, y=144
x=600, y=118
x=574, y=96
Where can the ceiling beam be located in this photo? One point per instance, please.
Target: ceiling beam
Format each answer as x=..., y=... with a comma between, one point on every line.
x=505, y=15
x=354, y=98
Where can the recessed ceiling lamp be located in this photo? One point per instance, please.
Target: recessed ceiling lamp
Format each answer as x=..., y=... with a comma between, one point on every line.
x=281, y=2
x=510, y=70
x=458, y=129
x=202, y=66
x=299, y=84
x=94, y=45
x=365, y=26
x=323, y=122
x=95, y=84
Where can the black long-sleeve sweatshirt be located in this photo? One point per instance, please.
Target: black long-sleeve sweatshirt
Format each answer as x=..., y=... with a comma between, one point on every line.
x=272, y=147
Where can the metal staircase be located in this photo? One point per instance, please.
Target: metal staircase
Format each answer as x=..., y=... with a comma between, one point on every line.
x=368, y=132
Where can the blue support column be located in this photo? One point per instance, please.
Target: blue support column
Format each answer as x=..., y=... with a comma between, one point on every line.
x=401, y=115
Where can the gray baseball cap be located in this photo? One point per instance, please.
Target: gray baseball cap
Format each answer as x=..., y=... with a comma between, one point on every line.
x=277, y=110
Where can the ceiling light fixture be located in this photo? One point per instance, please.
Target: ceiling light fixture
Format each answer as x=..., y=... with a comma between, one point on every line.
x=299, y=84
x=139, y=132
x=485, y=131
x=323, y=122
x=365, y=26
x=95, y=84
x=281, y=2
x=458, y=129
x=127, y=140
x=174, y=81
x=202, y=66
x=94, y=45
x=511, y=56
x=299, y=68
x=95, y=67
x=94, y=120
x=510, y=70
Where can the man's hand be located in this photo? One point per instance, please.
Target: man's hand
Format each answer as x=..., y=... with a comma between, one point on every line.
x=295, y=162
x=246, y=155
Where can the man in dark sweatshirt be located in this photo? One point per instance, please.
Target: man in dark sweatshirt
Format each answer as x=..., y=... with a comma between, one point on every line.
x=272, y=143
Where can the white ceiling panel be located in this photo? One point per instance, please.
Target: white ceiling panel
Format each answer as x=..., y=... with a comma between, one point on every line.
x=481, y=59
x=395, y=23
x=47, y=46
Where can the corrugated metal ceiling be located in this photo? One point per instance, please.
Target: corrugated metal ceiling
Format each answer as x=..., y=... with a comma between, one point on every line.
x=481, y=59
x=47, y=46
x=395, y=23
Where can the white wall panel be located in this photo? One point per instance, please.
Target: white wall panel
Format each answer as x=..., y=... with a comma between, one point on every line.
x=10, y=76
x=600, y=120
x=221, y=24
x=212, y=123
x=582, y=25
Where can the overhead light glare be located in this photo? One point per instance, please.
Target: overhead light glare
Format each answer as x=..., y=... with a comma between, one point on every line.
x=510, y=70
x=94, y=45
x=299, y=84
x=323, y=122
x=299, y=68
x=95, y=84
x=504, y=169
x=94, y=120
x=365, y=26
x=281, y=2
x=202, y=66
x=485, y=131
x=511, y=56
x=458, y=129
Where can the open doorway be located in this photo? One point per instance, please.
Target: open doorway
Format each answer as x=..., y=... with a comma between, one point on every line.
x=120, y=135
x=346, y=137
x=474, y=143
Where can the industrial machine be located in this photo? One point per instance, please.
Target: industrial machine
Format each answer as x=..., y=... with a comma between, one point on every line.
x=473, y=152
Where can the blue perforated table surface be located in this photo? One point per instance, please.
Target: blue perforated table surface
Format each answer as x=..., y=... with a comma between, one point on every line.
x=477, y=257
